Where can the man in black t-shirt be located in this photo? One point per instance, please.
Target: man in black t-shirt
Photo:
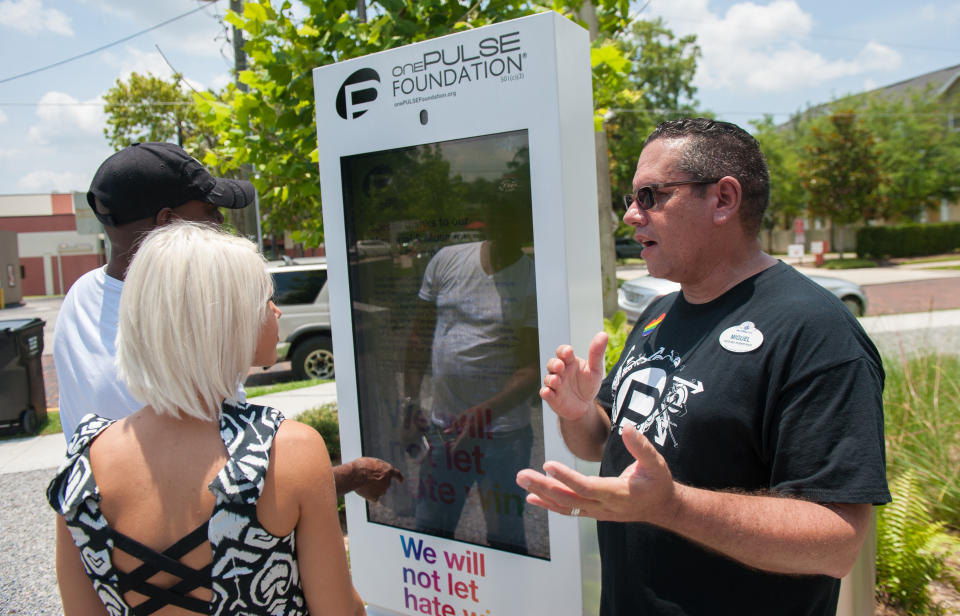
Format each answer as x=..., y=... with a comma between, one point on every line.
x=741, y=432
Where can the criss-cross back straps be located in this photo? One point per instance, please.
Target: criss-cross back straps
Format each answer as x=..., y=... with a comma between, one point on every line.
x=166, y=561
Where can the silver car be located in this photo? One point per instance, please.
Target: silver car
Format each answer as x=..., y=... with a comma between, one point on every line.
x=635, y=295
x=300, y=291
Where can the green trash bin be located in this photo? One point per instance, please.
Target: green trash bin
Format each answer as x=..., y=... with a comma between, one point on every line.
x=23, y=399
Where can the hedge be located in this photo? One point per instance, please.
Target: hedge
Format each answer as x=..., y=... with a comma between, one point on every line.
x=913, y=240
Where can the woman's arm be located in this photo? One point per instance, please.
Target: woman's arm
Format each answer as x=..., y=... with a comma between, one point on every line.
x=304, y=474
x=76, y=589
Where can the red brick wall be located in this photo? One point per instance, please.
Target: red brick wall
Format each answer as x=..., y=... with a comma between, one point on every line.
x=33, y=281
x=31, y=224
x=75, y=266
x=61, y=204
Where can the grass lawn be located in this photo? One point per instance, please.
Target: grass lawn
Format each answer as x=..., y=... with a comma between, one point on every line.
x=263, y=390
x=852, y=263
x=52, y=423
x=937, y=259
x=50, y=426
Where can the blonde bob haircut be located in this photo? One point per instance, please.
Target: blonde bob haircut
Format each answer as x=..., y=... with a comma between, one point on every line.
x=192, y=306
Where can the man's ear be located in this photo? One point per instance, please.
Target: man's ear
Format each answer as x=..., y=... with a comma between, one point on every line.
x=729, y=193
x=164, y=216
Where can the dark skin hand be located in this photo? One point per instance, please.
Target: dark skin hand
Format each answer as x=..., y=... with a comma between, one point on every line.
x=368, y=477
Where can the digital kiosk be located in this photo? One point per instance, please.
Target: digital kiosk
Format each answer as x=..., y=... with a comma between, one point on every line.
x=459, y=202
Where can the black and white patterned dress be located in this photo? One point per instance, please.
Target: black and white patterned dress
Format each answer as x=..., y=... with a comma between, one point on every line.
x=253, y=572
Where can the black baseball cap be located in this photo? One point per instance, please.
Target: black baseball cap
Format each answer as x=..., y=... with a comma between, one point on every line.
x=143, y=178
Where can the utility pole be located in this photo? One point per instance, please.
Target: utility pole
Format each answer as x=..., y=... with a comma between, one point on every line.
x=239, y=55
x=246, y=220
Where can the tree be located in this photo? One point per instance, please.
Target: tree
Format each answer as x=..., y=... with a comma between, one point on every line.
x=782, y=151
x=148, y=108
x=660, y=87
x=840, y=172
x=271, y=125
x=917, y=152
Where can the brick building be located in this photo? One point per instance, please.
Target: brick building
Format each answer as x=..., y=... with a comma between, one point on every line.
x=58, y=239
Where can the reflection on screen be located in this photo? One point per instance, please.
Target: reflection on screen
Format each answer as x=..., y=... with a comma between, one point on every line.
x=443, y=292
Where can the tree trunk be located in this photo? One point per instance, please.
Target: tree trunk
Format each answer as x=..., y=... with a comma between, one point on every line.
x=836, y=238
x=605, y=214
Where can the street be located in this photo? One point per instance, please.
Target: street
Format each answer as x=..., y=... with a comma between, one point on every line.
x=925, y=293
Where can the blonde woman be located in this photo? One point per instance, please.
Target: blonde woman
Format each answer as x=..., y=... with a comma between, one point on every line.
x=198, y=503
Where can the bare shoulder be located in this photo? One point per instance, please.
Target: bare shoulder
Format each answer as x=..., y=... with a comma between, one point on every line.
x=299, y=452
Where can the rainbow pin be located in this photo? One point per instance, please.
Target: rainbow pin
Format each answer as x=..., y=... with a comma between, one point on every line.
x=652, y=325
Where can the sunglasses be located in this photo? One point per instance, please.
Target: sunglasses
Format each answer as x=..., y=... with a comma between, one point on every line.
x=646, y=196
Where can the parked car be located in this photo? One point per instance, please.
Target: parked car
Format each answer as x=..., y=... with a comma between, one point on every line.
x=373, y=248
x=635, y=295
x=300, y=291
x=463, y=237
x=627, y=248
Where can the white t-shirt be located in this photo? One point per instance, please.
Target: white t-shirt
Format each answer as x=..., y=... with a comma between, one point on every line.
x=84, y=351
x=479, y=322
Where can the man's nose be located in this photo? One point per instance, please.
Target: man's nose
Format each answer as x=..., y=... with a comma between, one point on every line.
x=634, y=216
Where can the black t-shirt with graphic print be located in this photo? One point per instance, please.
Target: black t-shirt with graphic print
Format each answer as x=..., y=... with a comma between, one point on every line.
x=772, y=387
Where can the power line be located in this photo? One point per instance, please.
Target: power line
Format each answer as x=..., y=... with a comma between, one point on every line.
x=107, y=46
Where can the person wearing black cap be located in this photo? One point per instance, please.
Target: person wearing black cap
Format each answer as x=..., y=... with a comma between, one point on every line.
x=141, y=187
x=135, y=190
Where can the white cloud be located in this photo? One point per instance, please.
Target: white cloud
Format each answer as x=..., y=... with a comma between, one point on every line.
x=764, y=48
x=134, y=60
x=63, y=119
x=29, y=16
x=3, y=117
x=43, y=181
x=194, y=34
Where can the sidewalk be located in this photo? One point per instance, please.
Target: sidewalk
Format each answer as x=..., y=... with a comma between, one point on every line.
x=40, y=452
x=37, y=452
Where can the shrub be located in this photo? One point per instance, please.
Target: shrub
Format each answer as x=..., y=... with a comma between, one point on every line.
x=617, y=329
x=922, y=425
x=909, y=548
x=325, y=420
x=908, y=240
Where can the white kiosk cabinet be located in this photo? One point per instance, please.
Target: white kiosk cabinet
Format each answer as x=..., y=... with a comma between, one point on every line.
x=459, y=203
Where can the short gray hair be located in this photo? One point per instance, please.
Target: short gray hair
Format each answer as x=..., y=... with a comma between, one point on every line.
x=193, y=303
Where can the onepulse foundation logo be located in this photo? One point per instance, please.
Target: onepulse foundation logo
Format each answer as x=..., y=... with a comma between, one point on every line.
x=357, y=93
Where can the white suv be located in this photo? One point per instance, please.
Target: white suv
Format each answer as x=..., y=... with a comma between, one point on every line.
x=300, y=291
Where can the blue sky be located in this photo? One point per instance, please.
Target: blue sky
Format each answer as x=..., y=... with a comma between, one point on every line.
x=758, y=57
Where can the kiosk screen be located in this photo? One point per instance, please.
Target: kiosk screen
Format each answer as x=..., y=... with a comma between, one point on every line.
x=443, y=294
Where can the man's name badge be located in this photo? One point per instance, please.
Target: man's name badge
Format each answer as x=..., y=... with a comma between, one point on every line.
x=741, y=338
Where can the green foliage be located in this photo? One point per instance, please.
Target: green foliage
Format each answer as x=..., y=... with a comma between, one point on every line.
x=839, y=169
x=147, y=108
x=657, y=85
x=910, y=240
x=271, y=126
x=922, y=427
x=918, y=156
x=325, y=420
x=617, y=329
x=782, y=150
x=908, y=557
